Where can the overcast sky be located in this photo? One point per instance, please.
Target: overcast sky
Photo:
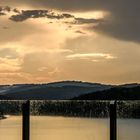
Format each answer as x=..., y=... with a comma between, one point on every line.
x=44, y=41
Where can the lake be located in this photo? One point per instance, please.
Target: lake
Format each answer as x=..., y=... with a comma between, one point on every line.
x=68, y=128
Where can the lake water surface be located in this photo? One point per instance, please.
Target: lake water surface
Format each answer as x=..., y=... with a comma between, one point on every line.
x=66, y=128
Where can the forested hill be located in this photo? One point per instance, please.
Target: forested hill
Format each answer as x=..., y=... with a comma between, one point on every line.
x=51, y=91
x=115, y=93
x=65, y=90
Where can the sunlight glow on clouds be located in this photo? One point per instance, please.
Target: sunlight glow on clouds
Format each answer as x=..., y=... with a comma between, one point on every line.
x=92, y=56
x=9, y=65
x=91, y=14
x=43, y=41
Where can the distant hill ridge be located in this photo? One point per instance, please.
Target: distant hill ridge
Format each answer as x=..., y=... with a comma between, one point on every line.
x=52, y=91
x=115, y=93
x=55, y=91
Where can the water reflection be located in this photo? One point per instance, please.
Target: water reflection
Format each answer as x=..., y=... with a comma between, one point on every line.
x=11, y=128
x=65, y=128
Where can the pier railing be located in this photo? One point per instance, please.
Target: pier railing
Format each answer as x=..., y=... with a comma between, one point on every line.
x=26, y=121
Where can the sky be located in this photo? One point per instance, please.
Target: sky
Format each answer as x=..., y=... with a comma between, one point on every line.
x=43, y=41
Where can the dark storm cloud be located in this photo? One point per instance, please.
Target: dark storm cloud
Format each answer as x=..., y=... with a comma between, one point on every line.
x=123, y=22
x=2, y=14
x=7, y=9
x=26, y=14
x=22, y=15
x=4, y=9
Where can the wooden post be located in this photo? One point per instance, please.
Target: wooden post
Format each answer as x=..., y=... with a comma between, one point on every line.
x=26, y=121
x=113, y=121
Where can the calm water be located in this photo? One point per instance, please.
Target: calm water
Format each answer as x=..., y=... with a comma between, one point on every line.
x=61, y=128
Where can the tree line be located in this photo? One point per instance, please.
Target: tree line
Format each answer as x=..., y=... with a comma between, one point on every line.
x=93, y=109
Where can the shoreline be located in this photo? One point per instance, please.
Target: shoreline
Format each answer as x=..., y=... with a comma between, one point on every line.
x=65, y=116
